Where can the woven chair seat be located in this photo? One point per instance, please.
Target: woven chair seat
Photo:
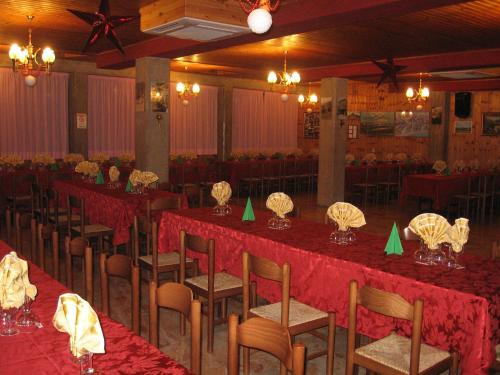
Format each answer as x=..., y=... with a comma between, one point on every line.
x=394, y=351
x=93, y=229
x=300, y=313
x=222, y=281
x=165, y=259
x=63, y=217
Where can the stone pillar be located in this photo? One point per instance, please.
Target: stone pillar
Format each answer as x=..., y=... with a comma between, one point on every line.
x=439, y=133
x=77, y=103
x=152, y=148
x=332, y=141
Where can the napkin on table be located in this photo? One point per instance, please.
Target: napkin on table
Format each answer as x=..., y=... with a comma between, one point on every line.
x=221, y=191
x=346, y=215
x=14, y=282
x=280, y=204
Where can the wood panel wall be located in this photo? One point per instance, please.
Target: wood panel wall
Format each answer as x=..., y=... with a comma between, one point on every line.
x=475, y=145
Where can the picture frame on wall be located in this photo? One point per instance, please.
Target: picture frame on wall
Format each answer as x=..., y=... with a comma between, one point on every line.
x=377, y=124
x=491, y=124
x=436, y=115
x=311, y=125
x=463, y=126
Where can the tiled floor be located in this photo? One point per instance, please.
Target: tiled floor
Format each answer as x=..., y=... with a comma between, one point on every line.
x=379, y=221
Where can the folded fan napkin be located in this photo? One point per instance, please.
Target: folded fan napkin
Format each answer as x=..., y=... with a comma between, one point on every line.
x=458, y=165
x=431, y=228
x=401, y=156
x=349, y=158
x=73, y=158
x=459, y=234
x=439, y=166
x=389, y=156
x=346, y=215
x=76, y=317
x=114, y=174
x=474, y=164
x=280, y=204
x=135, y=177
x=148, y=178
x=14, y=282
x=370, y=157
x=221, y=191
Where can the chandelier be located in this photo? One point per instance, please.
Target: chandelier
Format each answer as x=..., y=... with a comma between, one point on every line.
x=259, y=14
x=26, y=62
x=420, y=96
x=186, y=90
x=286, y=80
x=310, y=100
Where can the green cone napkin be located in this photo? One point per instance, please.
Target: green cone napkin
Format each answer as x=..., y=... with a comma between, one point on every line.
x=99, y=179
x=248, y=215
x=128, y=188
x=54, y=167
x=118, y=163
x=394, y=243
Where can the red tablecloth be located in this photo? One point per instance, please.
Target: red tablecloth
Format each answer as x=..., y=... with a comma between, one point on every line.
x=438, y=188
x=113, y=208
x=46, y=351
x=461, y=308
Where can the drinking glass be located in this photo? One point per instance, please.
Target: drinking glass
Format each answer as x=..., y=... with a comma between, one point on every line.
x=8, y=322
x=27, y=321
x=222, y=210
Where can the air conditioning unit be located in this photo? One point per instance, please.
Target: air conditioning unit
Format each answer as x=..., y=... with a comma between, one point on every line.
x=196, y=29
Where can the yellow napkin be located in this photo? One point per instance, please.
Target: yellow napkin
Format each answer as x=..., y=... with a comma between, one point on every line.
x=349, y=158
x=76, y=317
x=459, y=234
x=439, y=166
x=43, y=159
x=221, y=191
x=280, y=204
x=346, y=215
x=73, y=158
x=135, y=177
x=431, y=228
x=14, y=282
x=458, y=165
x=114, y=174
x=370, y=157
x=474, y=164
x=100, y=157
x=401, y=156
x=389, y=156
x=147, y=178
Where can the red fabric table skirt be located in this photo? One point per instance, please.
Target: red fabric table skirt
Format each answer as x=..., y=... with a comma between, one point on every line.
x=46, y=351
x=44, y=177
x=113, y=208
x=436, y=187
x=461, y=307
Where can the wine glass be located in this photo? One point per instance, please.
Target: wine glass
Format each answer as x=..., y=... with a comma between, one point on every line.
x=8, y=322
x=27, y=320
x=452, y=261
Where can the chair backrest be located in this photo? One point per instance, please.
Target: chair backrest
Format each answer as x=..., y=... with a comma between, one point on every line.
x=48, y=233
x=119, y=265
x=200, y=245
x=388, y=304
x=269, y=270
x=265, y=335
x=74, y=204
x=495, y=250
x=163, y=203
x=79, y=246
x=179, y=298
x=36, y=198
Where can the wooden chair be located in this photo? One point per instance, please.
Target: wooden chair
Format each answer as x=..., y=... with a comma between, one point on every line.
x=214, y=286
x=79, y=247
x=393, y=354
x=299, y=318
x=23, y=222
x=254, y=180
x=265, y=335
x=54, y=213
x=47, y=233
x=154, y=262
x=464, y=202
x=179, y=298
x=367, y=189
x=495, y=250
x=20, y=193
x=271, y=175
x=85, y=230
x=122, y=266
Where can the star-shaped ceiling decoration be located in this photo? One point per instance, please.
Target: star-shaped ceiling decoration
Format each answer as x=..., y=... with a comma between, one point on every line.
x=389, y=70
x=103, y=23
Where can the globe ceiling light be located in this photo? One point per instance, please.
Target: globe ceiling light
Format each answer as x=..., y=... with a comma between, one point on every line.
x=259, y=14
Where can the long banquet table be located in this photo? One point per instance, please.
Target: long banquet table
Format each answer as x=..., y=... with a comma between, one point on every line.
x=113, y=208
x=46, y=351
x=461, y=307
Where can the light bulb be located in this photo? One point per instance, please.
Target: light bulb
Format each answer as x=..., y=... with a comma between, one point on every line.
x=23, y=56
x=48, y=55
x=420, y=107
x=425, y=92
x=272, y=77
x=185, y=102
x=295, y=77
x=259, y=20
x=313, y=98
x=196, y=89
x=14, y=51
x=288, y=78
x=309, y=110
x=409, y=93
x=301, y=99
x=30, y=80
x=284, y=97
x=180, y=87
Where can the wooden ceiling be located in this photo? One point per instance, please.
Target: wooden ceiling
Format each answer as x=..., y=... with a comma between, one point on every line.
x=471, y=25
x=56, y=27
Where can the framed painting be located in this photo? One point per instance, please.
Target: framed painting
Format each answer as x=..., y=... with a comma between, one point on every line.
x=377, y=124
x=491, y=123
x=463, y=126
x=311, y=125
x=415, y=126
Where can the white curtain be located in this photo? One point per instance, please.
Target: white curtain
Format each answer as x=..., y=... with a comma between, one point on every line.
x=193, y=127
x=263, y=122
x=111, y=115
x=33, y=120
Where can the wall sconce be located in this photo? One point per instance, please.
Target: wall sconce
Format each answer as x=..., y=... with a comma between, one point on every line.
x=159, y=97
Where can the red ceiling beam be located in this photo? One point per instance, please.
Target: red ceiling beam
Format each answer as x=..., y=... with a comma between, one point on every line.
x=465, y=85
x=430, y=63
x=295, y=18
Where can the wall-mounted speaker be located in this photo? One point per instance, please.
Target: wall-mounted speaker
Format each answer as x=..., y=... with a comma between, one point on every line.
x=462, y=104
